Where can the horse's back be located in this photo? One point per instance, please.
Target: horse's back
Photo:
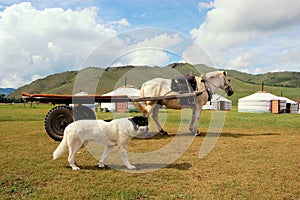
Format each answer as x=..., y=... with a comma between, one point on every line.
x=156, y=87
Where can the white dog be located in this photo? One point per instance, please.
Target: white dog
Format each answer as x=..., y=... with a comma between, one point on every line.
x=110, y=133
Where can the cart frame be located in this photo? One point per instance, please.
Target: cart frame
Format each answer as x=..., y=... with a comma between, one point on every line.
x=59, y=117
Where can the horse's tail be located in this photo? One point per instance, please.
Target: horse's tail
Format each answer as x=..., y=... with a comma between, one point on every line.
x=141, y=108
x=138, y=105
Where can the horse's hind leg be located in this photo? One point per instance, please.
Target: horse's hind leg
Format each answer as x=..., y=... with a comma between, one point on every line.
x=155, y=110
x=195, y=119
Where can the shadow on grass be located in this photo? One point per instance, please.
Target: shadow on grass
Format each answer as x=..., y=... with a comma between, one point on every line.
x=237, y=135
x=180, y=166
x=139, y=167
x=90, y=167
x=158, y=136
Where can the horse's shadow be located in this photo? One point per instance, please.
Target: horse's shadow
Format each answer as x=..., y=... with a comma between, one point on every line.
x=237, y=135
x=157, y=136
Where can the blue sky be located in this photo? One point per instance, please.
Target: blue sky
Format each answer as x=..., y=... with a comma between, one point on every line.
x=177, y=15
x=39, y=38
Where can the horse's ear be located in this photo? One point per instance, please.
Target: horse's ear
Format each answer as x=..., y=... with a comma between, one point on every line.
x=224, y=73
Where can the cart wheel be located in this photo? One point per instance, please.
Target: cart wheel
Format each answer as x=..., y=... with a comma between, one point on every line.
x=56, y=121
x=83, y=112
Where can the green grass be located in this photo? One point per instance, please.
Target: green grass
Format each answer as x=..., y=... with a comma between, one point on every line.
x=256, y=157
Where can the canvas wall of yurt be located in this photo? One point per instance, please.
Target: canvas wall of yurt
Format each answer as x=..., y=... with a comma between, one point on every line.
x=218, y=103
x=82, y=93
x=291, y=106
x=121, y=107
x=261, y=102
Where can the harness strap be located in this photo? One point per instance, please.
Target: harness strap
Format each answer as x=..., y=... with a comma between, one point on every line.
x=207, y=88
x=209, y=92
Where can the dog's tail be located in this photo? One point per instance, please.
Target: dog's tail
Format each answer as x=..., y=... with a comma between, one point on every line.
x=141, y=108
x=61, y=149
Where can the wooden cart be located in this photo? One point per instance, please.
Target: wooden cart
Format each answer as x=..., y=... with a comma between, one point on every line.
x=63, y=114
x=60, y=116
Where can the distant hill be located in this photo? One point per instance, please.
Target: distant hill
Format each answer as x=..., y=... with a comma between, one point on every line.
x=285, y=79
x=100, y=81
x=6, y=91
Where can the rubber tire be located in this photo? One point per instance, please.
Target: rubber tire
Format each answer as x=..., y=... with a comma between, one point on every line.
x=83, y=112
x=57, y=119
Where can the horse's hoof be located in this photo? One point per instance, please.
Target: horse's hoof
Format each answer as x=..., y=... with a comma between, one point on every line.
x=162, y=132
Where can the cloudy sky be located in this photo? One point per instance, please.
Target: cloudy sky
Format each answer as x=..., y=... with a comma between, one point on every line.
x=40, y=37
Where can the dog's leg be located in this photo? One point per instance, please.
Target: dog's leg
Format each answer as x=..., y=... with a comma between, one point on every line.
x=105, y=153
x=125, y=157
x=73, y=149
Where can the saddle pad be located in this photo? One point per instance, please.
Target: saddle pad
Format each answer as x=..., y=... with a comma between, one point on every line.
x=183, y=84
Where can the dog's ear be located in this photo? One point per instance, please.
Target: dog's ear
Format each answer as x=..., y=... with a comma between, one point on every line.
x=140, y=120
x=132, y=120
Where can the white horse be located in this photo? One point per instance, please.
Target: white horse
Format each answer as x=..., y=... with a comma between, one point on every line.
x=206, y=85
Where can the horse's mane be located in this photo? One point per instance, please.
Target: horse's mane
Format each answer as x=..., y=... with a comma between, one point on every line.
x=212, y=74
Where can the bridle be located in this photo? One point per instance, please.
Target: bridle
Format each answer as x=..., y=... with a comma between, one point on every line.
x=226, y=87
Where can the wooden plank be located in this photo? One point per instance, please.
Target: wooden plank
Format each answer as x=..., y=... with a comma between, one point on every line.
x=89, y=99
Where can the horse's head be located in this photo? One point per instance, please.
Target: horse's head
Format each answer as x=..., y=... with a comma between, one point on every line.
x=218, y=80
x=226, y=84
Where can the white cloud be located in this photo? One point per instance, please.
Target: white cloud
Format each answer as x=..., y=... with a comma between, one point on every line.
x=45, y=41
x=11, y=80
x=205, y=5
x=38, y=42
x=149, y=57
x=136, y=47
x=241, y=62
x=162, y=41
x=234, y=29
x=121, y=22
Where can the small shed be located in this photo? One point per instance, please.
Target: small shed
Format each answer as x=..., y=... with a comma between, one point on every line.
x=218, y=103
x=261, y=102
x=121, y=107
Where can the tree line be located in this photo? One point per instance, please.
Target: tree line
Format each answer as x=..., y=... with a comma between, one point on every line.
x=5, y=99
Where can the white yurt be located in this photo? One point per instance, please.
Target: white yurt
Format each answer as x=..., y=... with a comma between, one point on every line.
x=81, y=93
x=260, y=102
x=130, y=91
x=218, y=103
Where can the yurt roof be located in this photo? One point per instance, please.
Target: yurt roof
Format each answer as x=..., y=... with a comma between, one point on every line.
x=260, y=96
x=288, y=100
x=129, y=91
x=81, y=93
x=216, y=97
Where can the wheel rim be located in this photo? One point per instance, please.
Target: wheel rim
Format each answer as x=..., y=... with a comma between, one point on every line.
x=59, y=124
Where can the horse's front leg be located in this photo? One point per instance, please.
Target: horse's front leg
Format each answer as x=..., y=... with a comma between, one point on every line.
x=155, y=119
x=195, y=119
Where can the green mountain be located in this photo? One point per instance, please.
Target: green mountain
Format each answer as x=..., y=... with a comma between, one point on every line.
x=285, y=79
x=100, y=81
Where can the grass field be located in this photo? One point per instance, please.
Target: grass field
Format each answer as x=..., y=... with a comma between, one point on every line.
x=256, y=157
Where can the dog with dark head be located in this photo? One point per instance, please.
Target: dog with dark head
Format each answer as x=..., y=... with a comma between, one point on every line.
x=110, y=133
